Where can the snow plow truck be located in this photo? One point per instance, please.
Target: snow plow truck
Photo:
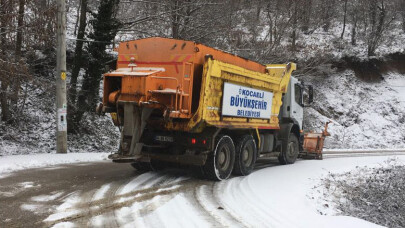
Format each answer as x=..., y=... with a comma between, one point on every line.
x=181, y=102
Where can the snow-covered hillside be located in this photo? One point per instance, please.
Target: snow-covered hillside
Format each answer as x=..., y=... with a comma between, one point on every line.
x=364, y=115
x=35, y=134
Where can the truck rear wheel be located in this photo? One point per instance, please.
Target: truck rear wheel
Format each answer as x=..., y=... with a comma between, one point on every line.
x=246, y=155
x=219, y=164
x=290, y=150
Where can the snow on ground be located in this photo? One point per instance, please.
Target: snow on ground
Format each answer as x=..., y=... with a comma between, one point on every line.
x=363, y=114
x=276, y=196
x=397, y=83
x=370, y=193
x=101, y=192
x=283, y=196
x=19, y=162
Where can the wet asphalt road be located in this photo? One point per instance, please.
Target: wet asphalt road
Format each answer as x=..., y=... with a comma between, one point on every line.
x=43, y=181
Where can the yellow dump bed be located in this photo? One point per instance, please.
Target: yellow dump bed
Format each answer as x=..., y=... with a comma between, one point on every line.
x=234, y=97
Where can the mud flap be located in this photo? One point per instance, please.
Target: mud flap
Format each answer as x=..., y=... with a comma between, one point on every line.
x=134, y=124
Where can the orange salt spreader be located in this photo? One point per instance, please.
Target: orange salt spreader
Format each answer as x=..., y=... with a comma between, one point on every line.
x=313, y=144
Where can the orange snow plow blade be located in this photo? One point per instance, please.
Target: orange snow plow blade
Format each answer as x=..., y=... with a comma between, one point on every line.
x=313, y=144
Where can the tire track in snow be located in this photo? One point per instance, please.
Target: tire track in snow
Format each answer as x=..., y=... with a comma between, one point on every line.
x=243, y=201
x=137, y=202
x=208, y=202
x=240, y=201
x=238, y=204
x=134, y=214
x=89, y=212
x=86, y=198
x=193, y=198
x=113, y=201
x=108, y=219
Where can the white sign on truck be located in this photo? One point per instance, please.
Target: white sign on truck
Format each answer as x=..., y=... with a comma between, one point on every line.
x=247, y=102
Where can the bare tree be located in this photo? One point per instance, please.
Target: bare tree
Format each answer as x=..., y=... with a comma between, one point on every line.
x=344, y=18
x=77, y=62
x=379, y=22
x=354, y=17
x=105, y=27
x=305, y=13
x=18, y=47
x=5, y=9
x=402, y=7
x=294, y=17
x=327, y=10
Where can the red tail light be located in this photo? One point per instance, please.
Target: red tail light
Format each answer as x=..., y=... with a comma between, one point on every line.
x=193, y=141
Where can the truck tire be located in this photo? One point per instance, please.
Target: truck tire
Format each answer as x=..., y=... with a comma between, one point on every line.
x=219, y=164
x=246, y=155
x=290, y=150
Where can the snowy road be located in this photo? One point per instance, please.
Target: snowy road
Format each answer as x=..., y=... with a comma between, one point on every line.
x=105, y=194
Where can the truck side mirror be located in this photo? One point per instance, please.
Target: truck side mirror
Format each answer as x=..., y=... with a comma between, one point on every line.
x=310, y=94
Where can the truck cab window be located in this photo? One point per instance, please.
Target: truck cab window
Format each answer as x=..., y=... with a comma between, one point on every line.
x=298, y=94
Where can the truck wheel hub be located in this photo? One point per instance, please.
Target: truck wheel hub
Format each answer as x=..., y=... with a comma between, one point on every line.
x=245, y=155
x=223, y=158
x=291, y=150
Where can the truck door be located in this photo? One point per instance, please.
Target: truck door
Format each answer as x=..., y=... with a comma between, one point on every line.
x=297, y=103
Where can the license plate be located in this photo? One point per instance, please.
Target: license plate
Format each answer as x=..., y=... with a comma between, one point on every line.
x=164, y=138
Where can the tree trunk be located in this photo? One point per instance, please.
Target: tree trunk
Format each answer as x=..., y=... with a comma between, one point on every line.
x=344, y=19
x=78, y=51
x=401, y=6
x=5, y=107
x=20, y=23
x=105, y=27
x=175, y=19
x=403, y=21
x=78, y=18
x=354, y=30
x=306, y=15
x=258, y=10
x=77, y=64
x=377, y=33
x=18, y=47
x=325, y=16
x=294, y=32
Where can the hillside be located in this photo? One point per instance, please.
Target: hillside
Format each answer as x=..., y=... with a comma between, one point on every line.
x=363, y=114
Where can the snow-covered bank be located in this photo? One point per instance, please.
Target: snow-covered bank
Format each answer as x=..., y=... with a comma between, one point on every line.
x=19, y=162
x=373, y=194
x=35, y=134
x=363, y=114
x=284, y=196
